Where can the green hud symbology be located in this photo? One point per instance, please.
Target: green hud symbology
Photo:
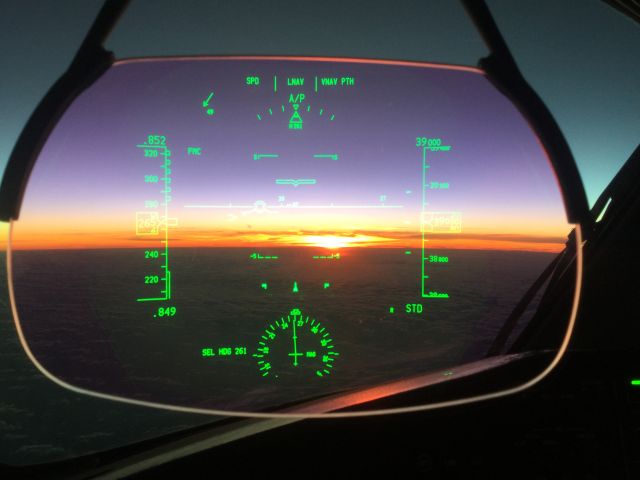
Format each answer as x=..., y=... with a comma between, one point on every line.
x=278, y=229
x=430, y=221
x=154, y=222
x=295, y=341
x=299, y=102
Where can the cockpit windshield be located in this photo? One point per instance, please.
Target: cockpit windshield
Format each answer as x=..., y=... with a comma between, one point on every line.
x=241, y=233
x=178, y=228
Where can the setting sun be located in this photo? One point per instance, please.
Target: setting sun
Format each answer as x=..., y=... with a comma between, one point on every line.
x=329, y=241
x=341, y=241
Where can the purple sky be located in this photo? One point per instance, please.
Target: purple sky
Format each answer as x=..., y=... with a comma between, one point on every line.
x=91, y=175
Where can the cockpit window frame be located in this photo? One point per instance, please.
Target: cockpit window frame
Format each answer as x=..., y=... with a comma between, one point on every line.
x=92, y=60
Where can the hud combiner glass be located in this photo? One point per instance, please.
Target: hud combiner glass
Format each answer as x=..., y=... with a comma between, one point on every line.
x=230, y=235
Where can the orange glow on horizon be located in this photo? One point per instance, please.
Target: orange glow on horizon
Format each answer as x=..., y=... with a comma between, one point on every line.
x=37, y=240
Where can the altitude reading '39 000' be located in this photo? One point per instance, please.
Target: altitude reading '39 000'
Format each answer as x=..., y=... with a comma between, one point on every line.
x=295, y=342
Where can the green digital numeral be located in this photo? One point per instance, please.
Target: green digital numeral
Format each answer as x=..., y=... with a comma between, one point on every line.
x=167, y=311
x=428, y=142
x=151, y=254
x=151, y=279
x=156, y=140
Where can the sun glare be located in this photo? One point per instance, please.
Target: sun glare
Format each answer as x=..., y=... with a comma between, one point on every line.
x=329, y=241
x=342, y=241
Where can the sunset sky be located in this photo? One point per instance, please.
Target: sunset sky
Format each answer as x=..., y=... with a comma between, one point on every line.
x=89, y=184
